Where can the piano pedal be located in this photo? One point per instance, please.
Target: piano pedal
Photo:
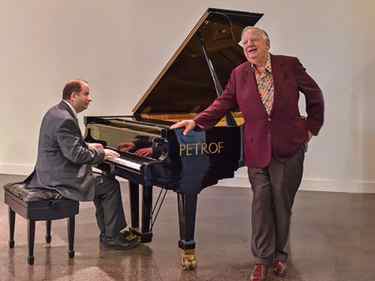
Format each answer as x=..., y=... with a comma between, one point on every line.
x=188, y=259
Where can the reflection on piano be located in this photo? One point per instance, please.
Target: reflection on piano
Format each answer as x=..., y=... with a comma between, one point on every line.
x=190, y=81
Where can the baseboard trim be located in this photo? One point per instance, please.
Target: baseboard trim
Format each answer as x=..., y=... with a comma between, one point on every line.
x=16, y=169
x=348, y=186
x=310, y=184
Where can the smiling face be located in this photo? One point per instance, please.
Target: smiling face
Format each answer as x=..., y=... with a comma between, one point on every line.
x=255, y=45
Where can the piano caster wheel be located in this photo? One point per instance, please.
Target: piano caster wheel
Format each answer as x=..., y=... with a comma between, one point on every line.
x=188, y=259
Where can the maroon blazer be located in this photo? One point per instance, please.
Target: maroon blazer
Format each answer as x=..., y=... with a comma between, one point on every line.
x=282, y=133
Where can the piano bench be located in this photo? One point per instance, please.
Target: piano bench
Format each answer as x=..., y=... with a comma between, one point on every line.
x=39, y=205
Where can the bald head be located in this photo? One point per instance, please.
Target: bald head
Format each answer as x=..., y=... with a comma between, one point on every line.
x=77, y=93
x=73, y=86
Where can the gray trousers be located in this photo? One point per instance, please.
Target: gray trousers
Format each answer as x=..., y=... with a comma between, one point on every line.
x=109, y=211
x=274, y=189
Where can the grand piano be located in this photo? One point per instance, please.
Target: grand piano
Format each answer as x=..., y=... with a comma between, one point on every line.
x=189, y=82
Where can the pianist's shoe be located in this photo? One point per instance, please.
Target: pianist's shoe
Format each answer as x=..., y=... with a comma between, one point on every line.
x=124, y=234
x=118, y=243
x=129, y=235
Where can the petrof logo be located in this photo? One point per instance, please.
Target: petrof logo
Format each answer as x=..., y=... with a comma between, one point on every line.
x=195, y=149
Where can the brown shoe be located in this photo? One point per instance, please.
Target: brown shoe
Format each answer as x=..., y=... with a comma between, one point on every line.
x=259, y=272
x=279, y=268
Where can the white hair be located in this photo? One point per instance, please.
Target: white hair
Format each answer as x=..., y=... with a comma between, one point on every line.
x=257, y=29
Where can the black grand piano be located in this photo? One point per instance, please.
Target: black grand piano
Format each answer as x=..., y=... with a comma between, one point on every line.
x=190, y=81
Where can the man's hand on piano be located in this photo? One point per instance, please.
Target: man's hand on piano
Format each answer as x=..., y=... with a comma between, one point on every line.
x=144, y=152
x=187, y=124
x=110, y=154
x=125, y=146
x=95, y=146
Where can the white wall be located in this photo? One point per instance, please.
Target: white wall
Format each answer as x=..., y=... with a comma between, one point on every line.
x=120, y=47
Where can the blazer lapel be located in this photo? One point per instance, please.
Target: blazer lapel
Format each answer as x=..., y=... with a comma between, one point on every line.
x=277, y=74
x=66, y=107
x=253, y=91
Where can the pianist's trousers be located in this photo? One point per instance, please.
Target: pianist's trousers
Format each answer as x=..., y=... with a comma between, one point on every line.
x=109, y=211
x=274, y=189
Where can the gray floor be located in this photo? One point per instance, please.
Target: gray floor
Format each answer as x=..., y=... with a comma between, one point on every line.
x=332, y=239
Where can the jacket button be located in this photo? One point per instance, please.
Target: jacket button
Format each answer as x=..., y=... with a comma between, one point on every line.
x=269, y=119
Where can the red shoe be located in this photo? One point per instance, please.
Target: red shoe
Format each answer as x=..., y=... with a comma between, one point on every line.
x=279, y=268
x=259, y=272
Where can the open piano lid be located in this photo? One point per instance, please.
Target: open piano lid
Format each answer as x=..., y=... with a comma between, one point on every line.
x=185, y=85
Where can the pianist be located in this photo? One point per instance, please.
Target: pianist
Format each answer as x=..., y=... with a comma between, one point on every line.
x=266, y=90
x=64, y=164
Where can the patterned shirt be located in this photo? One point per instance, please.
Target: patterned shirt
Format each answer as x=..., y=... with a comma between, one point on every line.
x=265, y=85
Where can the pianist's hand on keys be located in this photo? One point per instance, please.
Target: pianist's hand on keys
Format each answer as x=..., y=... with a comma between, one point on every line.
x=96, y=146
x=110, y=154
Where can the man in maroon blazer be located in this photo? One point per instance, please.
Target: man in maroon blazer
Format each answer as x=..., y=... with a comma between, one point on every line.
x=266, y=88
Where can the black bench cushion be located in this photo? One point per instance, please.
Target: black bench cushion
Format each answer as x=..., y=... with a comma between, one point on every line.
x=31, y=194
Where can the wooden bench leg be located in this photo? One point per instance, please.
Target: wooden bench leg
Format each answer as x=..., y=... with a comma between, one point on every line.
x=30, y=241
x=71, y=230
x=12, y=220
x=48, y=232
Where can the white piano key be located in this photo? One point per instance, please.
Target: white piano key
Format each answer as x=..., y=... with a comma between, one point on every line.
x=127, y=163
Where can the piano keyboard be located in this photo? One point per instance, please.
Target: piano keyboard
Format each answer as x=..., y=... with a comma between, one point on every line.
x=127, y=163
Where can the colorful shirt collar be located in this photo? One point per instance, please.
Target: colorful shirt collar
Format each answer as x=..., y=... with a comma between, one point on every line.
x=268, y=66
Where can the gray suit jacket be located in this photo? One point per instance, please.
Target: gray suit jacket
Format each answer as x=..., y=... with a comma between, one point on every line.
x=64, y=159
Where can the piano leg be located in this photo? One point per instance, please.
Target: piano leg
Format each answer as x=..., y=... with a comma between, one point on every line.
x=146, y=214
x=134, y=204
x=187, y=207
